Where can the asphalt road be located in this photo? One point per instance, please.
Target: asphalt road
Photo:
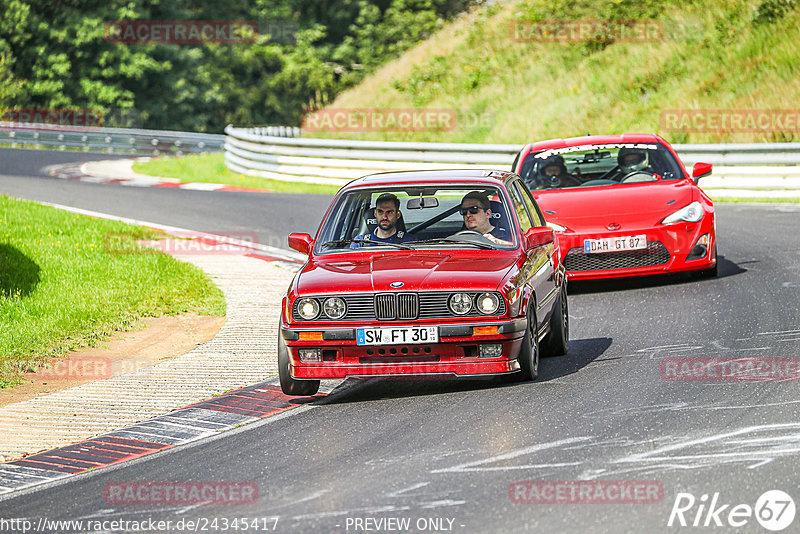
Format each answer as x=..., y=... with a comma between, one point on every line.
x=271, y=217
x=446, y=455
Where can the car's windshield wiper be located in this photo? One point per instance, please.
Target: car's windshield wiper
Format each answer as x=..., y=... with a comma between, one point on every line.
x=449, y=240
x=340, y=242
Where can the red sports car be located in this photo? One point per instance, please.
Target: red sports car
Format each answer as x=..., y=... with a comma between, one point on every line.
x=436, y=273
x=622, y=205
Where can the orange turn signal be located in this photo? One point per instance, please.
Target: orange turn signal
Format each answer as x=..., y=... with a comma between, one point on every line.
x=485, y=330
x=310, y=336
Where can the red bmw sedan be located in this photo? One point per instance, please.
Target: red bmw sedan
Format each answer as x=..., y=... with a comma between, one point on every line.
x=622, y=205
x=429, y=273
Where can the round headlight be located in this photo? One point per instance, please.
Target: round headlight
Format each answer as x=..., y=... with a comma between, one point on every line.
x=488, y=303
x=460, y=303
x=308, y=308
x=334, y=307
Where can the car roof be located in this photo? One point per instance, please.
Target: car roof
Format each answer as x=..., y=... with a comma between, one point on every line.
x=467, y=176
x=594, y=140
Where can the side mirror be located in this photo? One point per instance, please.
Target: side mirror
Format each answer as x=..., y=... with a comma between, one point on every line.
x=538, y=236
x=300, y=242
x=699, y=170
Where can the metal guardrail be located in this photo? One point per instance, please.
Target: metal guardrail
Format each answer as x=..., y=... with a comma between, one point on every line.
x=741, y=153
x=278, y=152
x=336, y=161
x=108, y=140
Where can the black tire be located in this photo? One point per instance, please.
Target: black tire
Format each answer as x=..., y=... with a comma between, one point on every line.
x=709, y=273
x=289, y=385
x=713, y=271
x=529, y=352
x=556, y=343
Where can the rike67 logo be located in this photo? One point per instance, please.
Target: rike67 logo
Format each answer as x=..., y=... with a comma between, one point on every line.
x=774, y=510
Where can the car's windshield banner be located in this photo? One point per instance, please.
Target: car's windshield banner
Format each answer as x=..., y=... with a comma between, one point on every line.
x=584, y=148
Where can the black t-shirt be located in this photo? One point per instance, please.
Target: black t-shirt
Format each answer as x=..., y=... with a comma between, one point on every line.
x=397, y=237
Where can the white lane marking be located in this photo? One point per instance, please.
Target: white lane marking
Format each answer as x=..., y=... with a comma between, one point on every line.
x=680, y=406
x=779, y=332
x=185, y=509
x=474, y=466
x=661, y=453
x=655, y=468
x=444, y=502
x=682, y=346
x=405, y=490
x=791, y=438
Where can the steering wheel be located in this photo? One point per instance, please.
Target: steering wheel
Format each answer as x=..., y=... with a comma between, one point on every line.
x=609, y=173
x=631, y=177
x=467, y=232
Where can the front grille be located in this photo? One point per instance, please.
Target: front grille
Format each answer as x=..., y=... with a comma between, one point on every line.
x=385, y=307
x=578, y=260
x=407, y=306
x=404, y=306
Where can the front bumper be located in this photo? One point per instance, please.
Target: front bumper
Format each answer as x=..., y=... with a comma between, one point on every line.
x=670, y=250
x=455, y=354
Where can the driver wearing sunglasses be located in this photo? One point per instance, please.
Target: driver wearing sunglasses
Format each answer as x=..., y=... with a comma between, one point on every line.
x=477, y=215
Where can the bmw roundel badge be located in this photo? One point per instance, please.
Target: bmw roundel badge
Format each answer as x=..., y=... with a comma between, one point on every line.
x=397, y=284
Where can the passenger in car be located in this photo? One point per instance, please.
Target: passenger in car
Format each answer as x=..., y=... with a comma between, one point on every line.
x=553, y=173
x=475, y=209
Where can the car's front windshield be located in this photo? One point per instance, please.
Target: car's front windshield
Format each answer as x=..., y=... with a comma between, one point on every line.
x=412, y=217
x=600, y=164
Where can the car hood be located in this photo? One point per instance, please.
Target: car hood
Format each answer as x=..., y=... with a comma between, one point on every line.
x=631, y=205
x=422, y=271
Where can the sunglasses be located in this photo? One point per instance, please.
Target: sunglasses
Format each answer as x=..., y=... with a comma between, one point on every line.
x=472, y=209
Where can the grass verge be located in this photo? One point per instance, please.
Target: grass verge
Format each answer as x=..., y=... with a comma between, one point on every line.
x=62, y=287
x=210, y=168
x=506, y=86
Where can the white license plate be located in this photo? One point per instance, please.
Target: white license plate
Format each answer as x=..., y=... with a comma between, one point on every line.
x=398, y=335
x=614, y=244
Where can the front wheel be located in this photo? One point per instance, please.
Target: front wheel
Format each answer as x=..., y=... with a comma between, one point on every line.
x=289, y=385
x=529, y=352
x=556, y=343
x=711, y=272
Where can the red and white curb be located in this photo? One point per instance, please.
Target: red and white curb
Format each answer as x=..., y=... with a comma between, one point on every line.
x=195, y=422
x=119, y=172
